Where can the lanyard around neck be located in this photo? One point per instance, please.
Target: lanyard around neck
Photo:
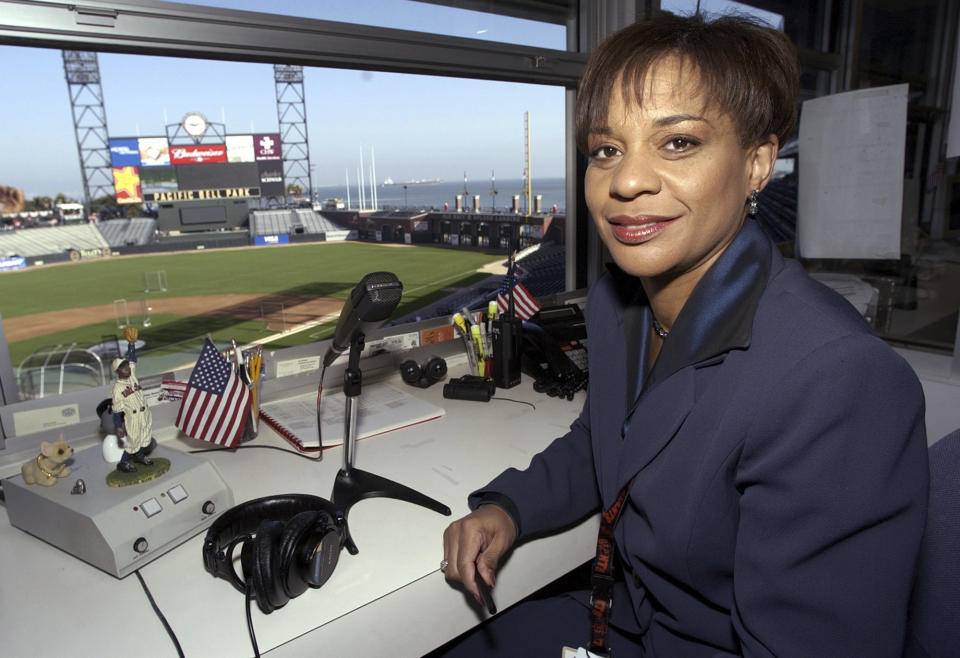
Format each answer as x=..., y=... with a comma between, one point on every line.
x=601, y=577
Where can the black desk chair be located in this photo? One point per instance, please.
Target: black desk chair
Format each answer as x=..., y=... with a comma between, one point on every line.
x=933, y=630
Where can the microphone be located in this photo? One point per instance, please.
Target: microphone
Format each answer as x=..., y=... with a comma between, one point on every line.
x=371, y=302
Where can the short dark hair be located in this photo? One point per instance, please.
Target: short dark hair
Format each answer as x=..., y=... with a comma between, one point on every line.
x=747, y=70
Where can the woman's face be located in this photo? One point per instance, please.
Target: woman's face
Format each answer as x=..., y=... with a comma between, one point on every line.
x=667, y=182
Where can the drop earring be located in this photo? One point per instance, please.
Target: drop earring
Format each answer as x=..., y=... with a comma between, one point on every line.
x=754, y=206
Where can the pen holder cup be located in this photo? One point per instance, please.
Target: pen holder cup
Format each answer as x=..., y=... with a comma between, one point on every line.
x=507, y=346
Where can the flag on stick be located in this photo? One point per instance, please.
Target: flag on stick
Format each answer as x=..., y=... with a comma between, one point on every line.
x=214, y=407
x=525, y=304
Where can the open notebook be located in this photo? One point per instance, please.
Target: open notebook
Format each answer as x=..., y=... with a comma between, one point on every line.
x=381, y=408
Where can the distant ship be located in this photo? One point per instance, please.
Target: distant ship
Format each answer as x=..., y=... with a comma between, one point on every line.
x=416, y=181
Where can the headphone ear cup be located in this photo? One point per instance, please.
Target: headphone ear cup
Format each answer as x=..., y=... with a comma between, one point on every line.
x=321, y=551
x=290, y=571
x=263, y=567
x=287, y=544
x=435, y=370
x=410, y=372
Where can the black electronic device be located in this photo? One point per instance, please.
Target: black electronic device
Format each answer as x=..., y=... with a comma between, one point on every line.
x=477, y=380
x=554, y=350
x=470, y=387
x=371, y=302
x=423, y=375
x=565, y=322
x=507, y=336
x=288, y=543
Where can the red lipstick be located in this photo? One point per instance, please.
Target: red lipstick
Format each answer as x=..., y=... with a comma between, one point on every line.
x=637, y=229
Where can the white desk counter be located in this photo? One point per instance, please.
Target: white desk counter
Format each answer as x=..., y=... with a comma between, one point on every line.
x=390, y=599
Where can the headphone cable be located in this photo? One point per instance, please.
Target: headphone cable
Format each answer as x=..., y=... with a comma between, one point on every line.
x=156, y=609
x=323, y=372
x=253, y=636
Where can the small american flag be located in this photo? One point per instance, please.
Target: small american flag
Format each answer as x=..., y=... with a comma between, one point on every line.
x=525, y=305
x=215, y=405
x=172, y=390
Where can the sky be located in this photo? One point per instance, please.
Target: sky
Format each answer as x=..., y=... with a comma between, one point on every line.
x=416, y=127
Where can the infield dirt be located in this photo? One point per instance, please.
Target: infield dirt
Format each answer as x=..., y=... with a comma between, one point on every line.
x=295, y=310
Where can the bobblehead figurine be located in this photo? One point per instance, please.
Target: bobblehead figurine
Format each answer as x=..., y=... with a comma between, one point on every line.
x=131, y=415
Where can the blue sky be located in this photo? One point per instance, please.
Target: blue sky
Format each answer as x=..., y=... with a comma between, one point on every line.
x=419, y=126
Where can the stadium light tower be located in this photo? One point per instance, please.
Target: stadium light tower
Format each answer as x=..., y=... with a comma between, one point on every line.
x=292, y=119
x=89, y=123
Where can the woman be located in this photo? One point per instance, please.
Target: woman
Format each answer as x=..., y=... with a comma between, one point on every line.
x=769, y=448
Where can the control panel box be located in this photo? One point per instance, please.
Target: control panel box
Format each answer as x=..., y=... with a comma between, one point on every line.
x=119, y=529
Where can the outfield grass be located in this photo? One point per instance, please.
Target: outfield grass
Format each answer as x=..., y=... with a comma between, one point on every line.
x=321, y=270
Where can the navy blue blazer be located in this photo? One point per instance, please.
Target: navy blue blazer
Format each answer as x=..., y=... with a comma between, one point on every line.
x=778, y=460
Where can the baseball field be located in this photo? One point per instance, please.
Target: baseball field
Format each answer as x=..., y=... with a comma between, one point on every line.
x=250, y=294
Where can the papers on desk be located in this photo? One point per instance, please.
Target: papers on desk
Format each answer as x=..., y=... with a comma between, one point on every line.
x=381, y=408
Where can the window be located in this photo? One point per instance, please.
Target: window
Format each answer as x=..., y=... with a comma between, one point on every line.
x=373, y=156
x=913, y=299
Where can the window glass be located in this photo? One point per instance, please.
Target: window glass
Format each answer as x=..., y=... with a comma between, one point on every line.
x=412, y=15
x=916, y=296
x=430, y=164
x=895, y=43
x=712, y=8
x=801, y=21
x=912, y=300
x=815, y=82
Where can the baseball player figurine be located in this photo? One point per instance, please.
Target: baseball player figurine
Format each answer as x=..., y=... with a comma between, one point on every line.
x=131, y=415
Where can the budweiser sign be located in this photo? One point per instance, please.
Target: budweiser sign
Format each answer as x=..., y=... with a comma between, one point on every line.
x=198, y=154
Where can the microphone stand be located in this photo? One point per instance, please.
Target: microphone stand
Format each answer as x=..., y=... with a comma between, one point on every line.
x=352, y=484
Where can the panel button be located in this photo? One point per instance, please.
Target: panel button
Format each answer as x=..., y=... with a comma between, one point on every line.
x=177, y=494
x=151, y=507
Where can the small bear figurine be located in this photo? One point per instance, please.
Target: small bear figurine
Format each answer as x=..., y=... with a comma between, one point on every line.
x=49, y=465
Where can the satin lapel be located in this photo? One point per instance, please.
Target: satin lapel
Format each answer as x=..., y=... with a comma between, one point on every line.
x=658, y=415
x=718, y=316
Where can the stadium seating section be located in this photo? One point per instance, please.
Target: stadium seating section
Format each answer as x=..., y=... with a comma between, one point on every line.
x=50, y=240
x=286, y=222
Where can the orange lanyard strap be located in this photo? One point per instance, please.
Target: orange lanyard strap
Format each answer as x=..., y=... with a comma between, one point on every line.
x=602, y=578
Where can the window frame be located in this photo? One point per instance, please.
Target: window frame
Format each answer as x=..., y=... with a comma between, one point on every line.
x=151, y=27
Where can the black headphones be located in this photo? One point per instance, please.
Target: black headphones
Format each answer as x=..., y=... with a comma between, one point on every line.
x=424, y=375
x=290, y=542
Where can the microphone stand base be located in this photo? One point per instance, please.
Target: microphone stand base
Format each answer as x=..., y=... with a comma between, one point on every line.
x=352, y=486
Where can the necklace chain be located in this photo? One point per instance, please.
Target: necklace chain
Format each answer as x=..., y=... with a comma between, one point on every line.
x=663, y=333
